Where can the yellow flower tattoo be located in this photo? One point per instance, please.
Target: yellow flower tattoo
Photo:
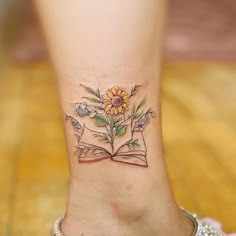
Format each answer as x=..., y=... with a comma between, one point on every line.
x=115, y=100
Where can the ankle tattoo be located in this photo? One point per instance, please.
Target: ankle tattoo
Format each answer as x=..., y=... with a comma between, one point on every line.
x=111, y=125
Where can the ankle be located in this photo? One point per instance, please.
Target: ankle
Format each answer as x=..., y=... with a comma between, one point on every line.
x=137, y=225
x=128, y=206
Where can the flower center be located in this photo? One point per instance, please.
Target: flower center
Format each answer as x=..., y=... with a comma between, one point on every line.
x=116, y=101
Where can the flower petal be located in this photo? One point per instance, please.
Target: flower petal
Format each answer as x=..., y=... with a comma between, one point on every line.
x=110, y=94
x=112, y=110
x=126, y=96
x=120, y=108
x=119, y=92
x=116, y=111
x=105, y=97
x=123, y=93
x=106, y=104
x=124, y=105
x=114, y=90
x=108, y=108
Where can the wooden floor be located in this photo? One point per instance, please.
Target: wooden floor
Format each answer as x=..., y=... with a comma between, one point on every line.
x=199, y=119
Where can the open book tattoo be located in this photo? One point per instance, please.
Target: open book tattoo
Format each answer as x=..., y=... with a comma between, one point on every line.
x=117, y=127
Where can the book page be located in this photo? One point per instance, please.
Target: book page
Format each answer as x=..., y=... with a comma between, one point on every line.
x=133, y=154
x=91, y=148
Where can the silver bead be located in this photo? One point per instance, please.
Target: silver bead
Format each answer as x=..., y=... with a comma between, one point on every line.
x=56, y=228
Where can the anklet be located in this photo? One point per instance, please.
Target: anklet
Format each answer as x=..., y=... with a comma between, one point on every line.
x=56, y=228
x=200, y=229
x=196, y=223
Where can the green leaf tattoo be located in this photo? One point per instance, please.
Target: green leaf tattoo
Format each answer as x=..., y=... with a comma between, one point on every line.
x=120, y=130
x=100, y=120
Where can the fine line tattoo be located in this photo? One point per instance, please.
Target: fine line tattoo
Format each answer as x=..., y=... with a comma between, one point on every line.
x=119, y=126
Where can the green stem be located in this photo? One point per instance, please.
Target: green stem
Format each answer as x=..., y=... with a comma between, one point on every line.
x=131, y=123
x=108, y=133
x=112, y=132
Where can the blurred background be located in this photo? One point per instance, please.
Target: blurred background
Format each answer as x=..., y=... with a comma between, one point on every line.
x=199, y=116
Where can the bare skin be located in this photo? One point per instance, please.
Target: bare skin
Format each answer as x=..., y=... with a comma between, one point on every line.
x=102, y=45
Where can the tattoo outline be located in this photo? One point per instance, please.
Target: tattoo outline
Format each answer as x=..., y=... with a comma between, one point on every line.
x=119, y=123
